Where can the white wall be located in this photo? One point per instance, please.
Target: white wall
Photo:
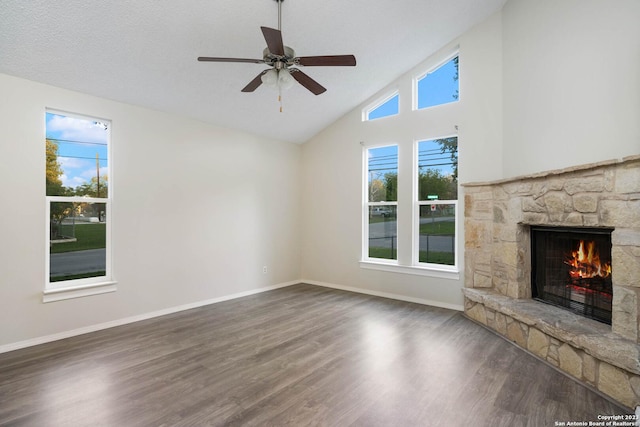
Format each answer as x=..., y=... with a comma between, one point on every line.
x=332, y=169
x=571, y=83
x=544, y=84
x=197, y=212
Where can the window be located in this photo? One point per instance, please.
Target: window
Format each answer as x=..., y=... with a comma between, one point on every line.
x=410, y=205
x=78, y=205
x=437, y=200
x=387, y=107
x=381, y=203
x=414, y=235
x=438, y=86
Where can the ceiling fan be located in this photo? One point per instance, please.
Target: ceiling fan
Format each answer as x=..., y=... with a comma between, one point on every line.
x=283, y=60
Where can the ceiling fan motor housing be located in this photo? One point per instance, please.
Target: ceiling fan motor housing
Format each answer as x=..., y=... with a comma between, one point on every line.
x=279, y=61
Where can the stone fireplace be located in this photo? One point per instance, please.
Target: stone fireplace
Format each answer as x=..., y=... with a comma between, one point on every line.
x=502, y=218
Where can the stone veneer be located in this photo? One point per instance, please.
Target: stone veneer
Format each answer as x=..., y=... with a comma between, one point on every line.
x=497, y=292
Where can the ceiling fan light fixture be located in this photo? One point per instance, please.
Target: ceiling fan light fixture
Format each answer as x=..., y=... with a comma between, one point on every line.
x=278, y=79
x=285, y=80
x=270, y=78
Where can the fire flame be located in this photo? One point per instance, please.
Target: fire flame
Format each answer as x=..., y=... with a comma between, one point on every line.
x=585, y=262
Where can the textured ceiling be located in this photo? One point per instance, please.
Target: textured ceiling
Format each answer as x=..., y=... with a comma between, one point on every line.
x=143, y=52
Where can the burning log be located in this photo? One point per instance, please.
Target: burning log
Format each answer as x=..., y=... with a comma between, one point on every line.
x=585, y=262
x=589, y=277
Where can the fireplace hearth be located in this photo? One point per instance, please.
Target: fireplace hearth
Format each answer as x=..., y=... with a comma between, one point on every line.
x=571, y=268
x=552, y=263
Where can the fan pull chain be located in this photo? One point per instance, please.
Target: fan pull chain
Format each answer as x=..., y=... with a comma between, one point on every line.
x=280, y=97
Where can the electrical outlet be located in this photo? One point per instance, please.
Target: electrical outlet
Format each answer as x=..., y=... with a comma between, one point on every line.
x=264, y=270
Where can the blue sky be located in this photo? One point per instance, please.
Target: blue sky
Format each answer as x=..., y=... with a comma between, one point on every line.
x=431, y=157
x=436, y=88
x=79, y=140
x=385, y=159
x=389, y=108
x=382, y=160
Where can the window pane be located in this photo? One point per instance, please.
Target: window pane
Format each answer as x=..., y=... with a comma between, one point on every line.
x=438, y=169
x=439, y=86
x=382, y=232
x=76, y=156
x=78, y=235
x=437, y=234
x=382, y=174
x=388, y=108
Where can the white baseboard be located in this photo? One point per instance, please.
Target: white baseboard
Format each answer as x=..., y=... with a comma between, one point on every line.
x=422, y=301
x=93, y=328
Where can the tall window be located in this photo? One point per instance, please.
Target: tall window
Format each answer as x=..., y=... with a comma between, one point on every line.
x=410, y=205
x=78, y=201
x=437, y=201
x=381, y=202
x=438, y=86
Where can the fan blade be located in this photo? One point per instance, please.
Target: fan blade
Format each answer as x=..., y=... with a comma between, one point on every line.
x=307, y=81
x=214, y=59
x=330, y=61
x=273, y=38
x=255, y=83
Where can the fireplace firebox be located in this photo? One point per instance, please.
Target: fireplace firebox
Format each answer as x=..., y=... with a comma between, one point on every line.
x=571, y=268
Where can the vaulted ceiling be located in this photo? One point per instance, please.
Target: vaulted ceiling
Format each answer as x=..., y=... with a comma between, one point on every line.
x=143, y=52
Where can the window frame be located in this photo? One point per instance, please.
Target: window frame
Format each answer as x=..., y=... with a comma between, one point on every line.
x=366, y=204
x=419, y=77
x=415, y=267
x=417, y=203
x=74, y=288
x=379, y=103
x=416, y=236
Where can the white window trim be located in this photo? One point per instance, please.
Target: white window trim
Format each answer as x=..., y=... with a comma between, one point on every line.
x=69, y=292
x=68, y=289
x=371, y=107
x=416, y=236
x=415, y=230
x=433, y=270
x=451, y=272
x=366, y=204
x=416, y=80
x=365, y=241
x=57, y=291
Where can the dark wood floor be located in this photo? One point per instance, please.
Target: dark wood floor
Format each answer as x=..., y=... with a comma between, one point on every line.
x=301, y=355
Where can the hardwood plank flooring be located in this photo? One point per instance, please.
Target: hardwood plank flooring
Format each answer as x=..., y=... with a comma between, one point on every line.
x=301, y=355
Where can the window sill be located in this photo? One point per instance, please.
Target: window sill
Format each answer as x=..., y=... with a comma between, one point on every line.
x=415, y=270
x=69, y=292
